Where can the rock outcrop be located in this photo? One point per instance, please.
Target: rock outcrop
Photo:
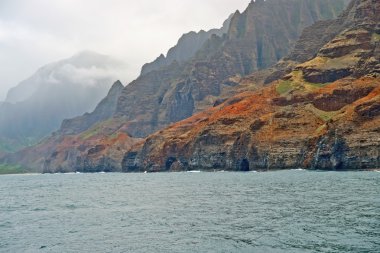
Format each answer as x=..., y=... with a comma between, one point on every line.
x=354, y=51
x=266, y=130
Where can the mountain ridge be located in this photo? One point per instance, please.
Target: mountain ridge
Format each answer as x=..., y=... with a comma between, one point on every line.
x=168, y=95
x=185, y=48
x=196, y=84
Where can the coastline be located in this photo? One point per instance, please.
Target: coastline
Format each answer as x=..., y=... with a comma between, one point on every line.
x=190, y=171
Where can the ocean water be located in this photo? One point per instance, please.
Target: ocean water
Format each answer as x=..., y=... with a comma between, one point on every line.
x=288, y=211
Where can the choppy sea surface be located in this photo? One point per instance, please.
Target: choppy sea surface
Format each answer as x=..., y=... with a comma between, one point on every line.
x=287, y=211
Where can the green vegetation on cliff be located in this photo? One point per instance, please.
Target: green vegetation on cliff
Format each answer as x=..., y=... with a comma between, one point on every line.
x=11, y=169
x=375, y=37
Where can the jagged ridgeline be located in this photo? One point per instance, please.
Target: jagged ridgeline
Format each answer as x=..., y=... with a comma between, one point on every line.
x=186, y=48
x=175, y=87
x=200, y=67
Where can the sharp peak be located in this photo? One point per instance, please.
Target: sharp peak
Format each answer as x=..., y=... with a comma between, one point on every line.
x=116, y=87
x=253, y=2
x=117, y=83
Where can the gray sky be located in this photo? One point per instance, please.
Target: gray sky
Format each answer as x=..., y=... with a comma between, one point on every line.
x=36, y=32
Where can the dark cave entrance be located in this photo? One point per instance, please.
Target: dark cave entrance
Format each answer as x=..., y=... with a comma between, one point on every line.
x=244, y=165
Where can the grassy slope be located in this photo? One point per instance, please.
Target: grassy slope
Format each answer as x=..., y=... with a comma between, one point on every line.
x=11, y=169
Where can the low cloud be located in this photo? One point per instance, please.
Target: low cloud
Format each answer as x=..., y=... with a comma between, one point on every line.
x=85, y=76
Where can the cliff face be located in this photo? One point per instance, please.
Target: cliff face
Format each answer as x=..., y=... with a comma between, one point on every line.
x=324, y=114
x=273, y=130
x=100, y=148
x=273, y=27
x=256, y=39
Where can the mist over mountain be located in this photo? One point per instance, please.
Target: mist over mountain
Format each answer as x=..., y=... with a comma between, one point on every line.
x=87, y=69
x=59, y=90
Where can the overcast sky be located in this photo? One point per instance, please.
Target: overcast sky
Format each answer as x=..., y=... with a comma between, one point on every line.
x=36, y=32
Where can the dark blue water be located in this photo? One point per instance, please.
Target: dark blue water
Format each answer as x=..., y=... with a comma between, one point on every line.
x=290, y=211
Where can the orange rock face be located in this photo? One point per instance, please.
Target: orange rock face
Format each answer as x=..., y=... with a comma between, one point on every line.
x=101, y=148
x=258, y=133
